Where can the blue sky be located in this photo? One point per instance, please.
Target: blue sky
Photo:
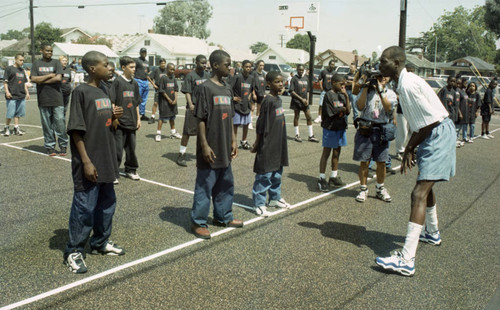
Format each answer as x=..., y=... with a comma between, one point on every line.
x=364, y=25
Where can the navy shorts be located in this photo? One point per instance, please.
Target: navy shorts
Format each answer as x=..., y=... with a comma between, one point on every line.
x=370, y=147
x=486, y=118
x=334, y=138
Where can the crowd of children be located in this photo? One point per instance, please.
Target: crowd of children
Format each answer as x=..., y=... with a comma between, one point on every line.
x=108, y=108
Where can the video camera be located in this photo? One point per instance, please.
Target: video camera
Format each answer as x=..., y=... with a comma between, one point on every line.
x=371, y=72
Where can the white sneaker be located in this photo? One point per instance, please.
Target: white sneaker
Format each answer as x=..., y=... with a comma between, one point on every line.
x=318, y=120
x=462, y=143
x=109, y=249
x=176, y=136
x=250, y=126
x=490, y=136
x=76, y=263
x=116, y=182
x=132, y=175
x=362, y=196
x=6, y=131
x=262, y=211
x=383, y=194
x=279, y=204
x=158, y=138
x=485, y=137
x=396, y=262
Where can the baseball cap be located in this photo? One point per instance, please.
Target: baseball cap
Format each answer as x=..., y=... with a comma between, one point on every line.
x=143, y=50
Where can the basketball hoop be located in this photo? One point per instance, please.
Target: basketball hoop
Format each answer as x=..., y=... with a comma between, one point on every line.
x=296, y=23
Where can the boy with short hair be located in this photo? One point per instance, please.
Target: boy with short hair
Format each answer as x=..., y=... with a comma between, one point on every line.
x=192, y=81
x=336, y=107
x=124, y=92
x=93, y=165
x=325, y=82
x=215, y=148
x=242, y=88
x=271, y=148
x=487, y=109
x=65, y=82
x=111, y=77
x=168, y=102
x=16, y=93
x=259, y=79
x=47, y=74
x=156, y=76
x=299, y=90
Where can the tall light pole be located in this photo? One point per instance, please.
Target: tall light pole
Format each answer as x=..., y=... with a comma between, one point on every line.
x=32, y=33
x=402, y=25
x=435, y=54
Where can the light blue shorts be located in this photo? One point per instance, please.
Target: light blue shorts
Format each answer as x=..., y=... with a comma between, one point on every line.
x=334, y=138
x=436, y=155
x=241, y=119
x=16, y=108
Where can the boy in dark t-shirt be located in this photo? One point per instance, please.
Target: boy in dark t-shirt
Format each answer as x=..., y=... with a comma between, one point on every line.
x=155, y=75
x=299, y=90
x=325, y=82
x=124, y=92
x=65, y=82
x=192, y=81
x=487, y=109
x=16, y=93
x=168, y=102
x=93, y=165
x=47, y=74
x=336, y=107
x=242, y=85
x=259, y=82
x=271, y=148
x=215, y=148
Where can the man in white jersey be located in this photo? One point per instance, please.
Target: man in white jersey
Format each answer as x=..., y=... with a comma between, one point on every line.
x=434, y=134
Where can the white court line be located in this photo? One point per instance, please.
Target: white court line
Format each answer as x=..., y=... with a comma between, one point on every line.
x=164, y=252
x=25, y=125
x=22, y=141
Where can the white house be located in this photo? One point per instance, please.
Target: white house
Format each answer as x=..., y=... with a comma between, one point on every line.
x=176, y=49
x=71, y=50
x=72, y=34
x=283, y=55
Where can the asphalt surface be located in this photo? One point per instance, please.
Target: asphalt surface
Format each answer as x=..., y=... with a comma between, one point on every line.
x=319, y=255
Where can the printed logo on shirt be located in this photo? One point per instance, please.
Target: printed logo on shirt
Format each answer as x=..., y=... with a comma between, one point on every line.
x=338, y=104
x=170, y=85
x=103, y=103
x=108, y=122
x=198, y=82
x=20, y=75
x=280, y=111
x=130, y=105
x=46, y=69
x=128, y=94
x=224, y=115
x=222, y=100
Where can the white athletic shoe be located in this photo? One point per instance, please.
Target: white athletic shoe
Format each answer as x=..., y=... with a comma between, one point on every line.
x=318, y=120
x=279, y=204
x=396, y=262
x=262, y=211
x=158, y=138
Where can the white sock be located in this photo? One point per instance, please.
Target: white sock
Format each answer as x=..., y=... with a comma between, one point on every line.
x=411, y=241
x=334, y=173
x=182, y=149
x=172, y=131
x=296, y=130
x=431, y=219
x=310, y=128
x=363, y=188
x=379, y=185
x=16, y=126
x=322, y=176
x=158, y=132
x=152, y=116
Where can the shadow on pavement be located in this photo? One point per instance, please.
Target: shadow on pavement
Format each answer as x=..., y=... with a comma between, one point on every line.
x=173, y=157
x=59, y=240
x=177, y=216
x=381, y=243
x=310, y=181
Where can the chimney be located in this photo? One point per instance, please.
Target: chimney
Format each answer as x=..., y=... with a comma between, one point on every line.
x=421, y=56
x=151, y=31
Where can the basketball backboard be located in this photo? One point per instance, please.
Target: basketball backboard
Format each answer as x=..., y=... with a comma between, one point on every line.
x=299, y=16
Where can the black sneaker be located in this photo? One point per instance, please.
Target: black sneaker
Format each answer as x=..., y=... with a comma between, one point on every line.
x=144, y=118
x=63, y=152
x=181, y=160
x=336, y=182
x=51, y=152
x=297, y=138
x=313, y=139
x=76, y=263
x=151, y=120
x=18, y=132
x=245, y=145
x=323, y=185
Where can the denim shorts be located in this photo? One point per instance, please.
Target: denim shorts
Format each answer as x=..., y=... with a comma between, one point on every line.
x=240, y=119
x=367, y=148
x=16, y=108
x=334, y=138
x=436, y=155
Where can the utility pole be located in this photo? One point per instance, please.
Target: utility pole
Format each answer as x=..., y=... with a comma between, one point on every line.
x=312, y=51
x=32, y=33
x=282, y=38
x=402, y=25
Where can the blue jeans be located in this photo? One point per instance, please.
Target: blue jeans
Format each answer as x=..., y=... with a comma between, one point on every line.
x=53, y=125
x=144, y=92
x=218, y=185
x=92, y=209
x=464, y=131
x=264, y=183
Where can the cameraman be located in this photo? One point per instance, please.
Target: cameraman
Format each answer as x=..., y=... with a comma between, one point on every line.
x=375, y=104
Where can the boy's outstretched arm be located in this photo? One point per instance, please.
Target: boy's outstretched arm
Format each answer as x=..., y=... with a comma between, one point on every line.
x=89, y=170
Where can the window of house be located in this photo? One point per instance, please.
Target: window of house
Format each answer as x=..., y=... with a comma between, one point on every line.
x=272, y=57
x=147, y=42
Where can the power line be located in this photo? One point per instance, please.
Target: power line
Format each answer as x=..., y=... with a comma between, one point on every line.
x=105, y=4
x=14, y=12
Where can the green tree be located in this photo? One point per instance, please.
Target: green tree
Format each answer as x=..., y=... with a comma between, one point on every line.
x=187, y=18
x=300, y=42
x=45, y=33
x=492, y=16
x=98, y=41
x=13, y=35
x=258, y=47
x=459, y=33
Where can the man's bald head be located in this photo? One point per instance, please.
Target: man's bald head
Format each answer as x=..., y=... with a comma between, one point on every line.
x=395, y=53
x=392, y=62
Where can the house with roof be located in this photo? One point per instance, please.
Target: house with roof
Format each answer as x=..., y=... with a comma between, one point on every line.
x=341, y=58
x=423, y=67
x=465, y=65
x=72, y=50
x=20, y=46
x=283, y=55
x=73, y=34
x=176, y=49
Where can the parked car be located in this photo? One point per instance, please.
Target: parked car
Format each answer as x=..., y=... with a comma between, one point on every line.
x=182, y=70
x=342, y=70
x=435, y=83
x=285, y=69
